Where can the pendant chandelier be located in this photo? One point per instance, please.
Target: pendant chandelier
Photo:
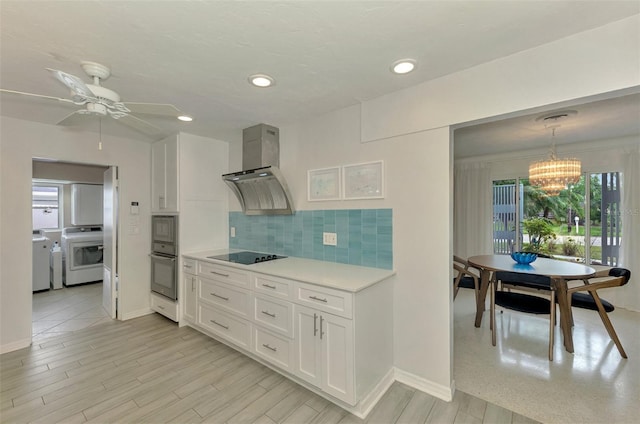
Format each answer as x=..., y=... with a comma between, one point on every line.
x=554, y=175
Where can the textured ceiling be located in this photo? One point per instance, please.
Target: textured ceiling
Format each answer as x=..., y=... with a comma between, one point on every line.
x=324, y=55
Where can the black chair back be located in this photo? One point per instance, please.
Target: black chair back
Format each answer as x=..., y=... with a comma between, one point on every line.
x=621, y=272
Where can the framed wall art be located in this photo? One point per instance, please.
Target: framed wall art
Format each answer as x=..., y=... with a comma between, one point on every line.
x=323, y=184
x=363, y=180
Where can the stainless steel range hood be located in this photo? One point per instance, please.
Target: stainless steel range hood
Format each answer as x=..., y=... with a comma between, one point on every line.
x=260, y=187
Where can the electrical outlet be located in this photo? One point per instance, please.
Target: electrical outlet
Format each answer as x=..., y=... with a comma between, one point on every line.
x=233, y=231
x=330, y=239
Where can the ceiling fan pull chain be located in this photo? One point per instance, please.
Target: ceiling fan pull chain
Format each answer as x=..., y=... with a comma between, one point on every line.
x=100, y=130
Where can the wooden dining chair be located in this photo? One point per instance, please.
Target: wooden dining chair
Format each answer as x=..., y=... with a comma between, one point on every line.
x=466, y=277
x=619, y=277
x=523, y=302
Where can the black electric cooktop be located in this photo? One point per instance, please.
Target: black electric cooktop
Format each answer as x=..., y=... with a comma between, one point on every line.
x=246, y=257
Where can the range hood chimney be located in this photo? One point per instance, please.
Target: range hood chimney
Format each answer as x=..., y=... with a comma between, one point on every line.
x=260, y=186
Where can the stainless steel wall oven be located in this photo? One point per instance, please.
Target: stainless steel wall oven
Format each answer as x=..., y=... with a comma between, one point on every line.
x=164, y=248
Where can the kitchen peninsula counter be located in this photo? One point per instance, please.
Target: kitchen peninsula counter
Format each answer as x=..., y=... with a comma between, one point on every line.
x=346, y=277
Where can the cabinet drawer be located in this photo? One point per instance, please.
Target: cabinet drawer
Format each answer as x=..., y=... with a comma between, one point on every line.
x=233, y=329
x=224, y=274
x=274, y=314
x=190, y=266
x=278, y=350
x=273, y=286
x=164, y=306
x=325, y=299
x=227, y=297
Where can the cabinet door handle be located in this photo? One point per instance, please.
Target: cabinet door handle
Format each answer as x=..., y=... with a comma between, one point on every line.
x=193, y=287
x=273, y=349
x=269, y=286
x=219, y=273
x=161, y=202
x=161, y=307
x=319, y=299
x=220, y=297
x=226, y=327
x=321, y=332
x=315, y=327
x=187, y=266
x=269, y=314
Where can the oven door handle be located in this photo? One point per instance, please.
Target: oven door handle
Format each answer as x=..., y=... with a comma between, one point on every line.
x=100, y=247
x=163, y=258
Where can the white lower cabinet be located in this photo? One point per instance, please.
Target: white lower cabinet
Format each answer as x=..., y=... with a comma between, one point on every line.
x=306, y=331
x=230, y=327
x=325, y=352
x=277, y=349
x=164, y=306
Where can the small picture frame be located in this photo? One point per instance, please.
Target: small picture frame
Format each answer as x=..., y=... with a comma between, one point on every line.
x=363, y=180
x=323, y=184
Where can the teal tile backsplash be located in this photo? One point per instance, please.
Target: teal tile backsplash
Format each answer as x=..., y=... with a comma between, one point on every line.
x=365, y=236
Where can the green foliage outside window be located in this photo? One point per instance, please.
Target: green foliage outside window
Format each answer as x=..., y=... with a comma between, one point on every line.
x=541, y=232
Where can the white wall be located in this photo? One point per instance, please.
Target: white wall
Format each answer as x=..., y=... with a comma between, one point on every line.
x=20, y=141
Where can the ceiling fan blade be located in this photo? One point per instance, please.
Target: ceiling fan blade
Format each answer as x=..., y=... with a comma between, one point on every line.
x=74, y=119
x=162, y=109
x=75, y=84
x=22, y=93
x=142, y=126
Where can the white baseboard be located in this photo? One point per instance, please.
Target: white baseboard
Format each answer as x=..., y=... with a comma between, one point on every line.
x=369, y=402
x=20, y=344
x=136, y=314
x=442, y=392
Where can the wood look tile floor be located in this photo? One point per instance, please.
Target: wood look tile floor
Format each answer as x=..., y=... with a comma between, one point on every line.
x=147, y=370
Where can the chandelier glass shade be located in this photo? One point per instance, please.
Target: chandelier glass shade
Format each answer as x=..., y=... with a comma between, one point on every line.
x=555, y=174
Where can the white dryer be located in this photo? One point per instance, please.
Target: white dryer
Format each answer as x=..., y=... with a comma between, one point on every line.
x=82, y=254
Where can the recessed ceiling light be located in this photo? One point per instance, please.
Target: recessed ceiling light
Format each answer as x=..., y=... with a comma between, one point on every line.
x=403, y=66
x=261, y=80
x=185, y=118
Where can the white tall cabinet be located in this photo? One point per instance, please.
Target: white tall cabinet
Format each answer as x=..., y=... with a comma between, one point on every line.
x=186, y=172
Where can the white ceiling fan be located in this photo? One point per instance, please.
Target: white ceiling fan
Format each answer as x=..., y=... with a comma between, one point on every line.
x=101, y=101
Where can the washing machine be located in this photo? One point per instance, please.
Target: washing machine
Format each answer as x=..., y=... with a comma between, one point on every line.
x=41, y=250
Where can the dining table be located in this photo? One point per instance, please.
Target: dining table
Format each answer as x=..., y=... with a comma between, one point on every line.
x=559, y=271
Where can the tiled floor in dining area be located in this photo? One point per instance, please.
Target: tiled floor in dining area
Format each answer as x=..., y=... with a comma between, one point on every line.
x=592, y=385
x=59, y=312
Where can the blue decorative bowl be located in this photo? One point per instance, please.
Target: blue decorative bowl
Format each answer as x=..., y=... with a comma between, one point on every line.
x=524, y=258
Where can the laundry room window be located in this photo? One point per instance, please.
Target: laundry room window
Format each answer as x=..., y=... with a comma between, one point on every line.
x=45, y=206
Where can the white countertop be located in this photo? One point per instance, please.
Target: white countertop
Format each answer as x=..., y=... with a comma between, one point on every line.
x=350, y=278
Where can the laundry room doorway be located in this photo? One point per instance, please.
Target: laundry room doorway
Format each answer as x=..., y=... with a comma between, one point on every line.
x=75, y=211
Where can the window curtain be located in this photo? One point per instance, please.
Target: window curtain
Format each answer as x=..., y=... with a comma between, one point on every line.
x=628, y=296
x=472, y=210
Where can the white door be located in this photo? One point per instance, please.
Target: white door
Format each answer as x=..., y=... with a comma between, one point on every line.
x=336, y=334
x=308, y=355
x=110, y=243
